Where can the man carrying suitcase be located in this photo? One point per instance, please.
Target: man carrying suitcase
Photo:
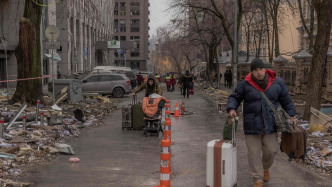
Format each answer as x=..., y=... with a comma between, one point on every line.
x=258, y=119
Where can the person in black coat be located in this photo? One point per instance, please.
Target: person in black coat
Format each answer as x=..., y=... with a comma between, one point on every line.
x=258, y=119
x=187, y=79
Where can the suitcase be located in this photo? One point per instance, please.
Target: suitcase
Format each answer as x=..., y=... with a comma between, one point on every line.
x=294, y=144
x=191, y=91
x=137, y=114
x=126, y=117
x=221, y=162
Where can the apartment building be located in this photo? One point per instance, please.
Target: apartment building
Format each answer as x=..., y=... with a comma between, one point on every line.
x=131, y=23
x=80, y=25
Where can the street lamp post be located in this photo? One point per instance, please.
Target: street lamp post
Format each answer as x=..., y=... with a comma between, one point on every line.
x=235, y=46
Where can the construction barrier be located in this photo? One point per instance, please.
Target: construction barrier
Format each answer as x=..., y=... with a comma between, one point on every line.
x=167, y=131
x=24, y=121
x=183, y=107
x=15, y=80
x=41, y=118
x=37, y=111
x=168, y=115
x=165, y=163
x=2, y=121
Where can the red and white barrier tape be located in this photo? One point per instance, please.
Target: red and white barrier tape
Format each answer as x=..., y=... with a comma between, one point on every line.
x=43, y=77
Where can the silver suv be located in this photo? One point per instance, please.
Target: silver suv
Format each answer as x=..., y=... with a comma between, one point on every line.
x=107, y=83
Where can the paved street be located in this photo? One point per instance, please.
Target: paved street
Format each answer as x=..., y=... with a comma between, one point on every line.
x=112, y=157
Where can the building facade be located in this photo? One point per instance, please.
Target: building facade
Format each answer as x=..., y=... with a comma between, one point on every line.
x=81, y=26
x=131, y=23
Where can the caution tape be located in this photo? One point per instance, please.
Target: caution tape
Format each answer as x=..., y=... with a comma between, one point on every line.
x=42, y=77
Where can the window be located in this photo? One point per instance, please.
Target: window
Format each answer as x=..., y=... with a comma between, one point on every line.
x=122, y=22
x=122, y=13
x=134, y=37
x=116, y=77
x=116, y=38
x=123, y=29
x=134, y=54
x=134, y=29
x=123, y=38
x=134, y=21
x=93, y=78
x=104, y=78
x=116, y=12
x=134, y=12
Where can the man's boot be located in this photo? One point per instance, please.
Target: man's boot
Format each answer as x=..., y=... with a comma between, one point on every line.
x=266, y=176
x=258, y=184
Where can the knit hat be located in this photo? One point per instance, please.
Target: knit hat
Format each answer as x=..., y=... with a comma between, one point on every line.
x=256, y=63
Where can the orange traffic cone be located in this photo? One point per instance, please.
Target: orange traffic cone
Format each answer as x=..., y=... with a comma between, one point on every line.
x=183, y=107
x=176, y=112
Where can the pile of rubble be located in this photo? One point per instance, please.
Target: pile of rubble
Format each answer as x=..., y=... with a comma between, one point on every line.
x=319, y=148
x=43, y=140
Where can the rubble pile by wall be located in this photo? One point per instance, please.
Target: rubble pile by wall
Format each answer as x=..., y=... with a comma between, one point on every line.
x=43, y=142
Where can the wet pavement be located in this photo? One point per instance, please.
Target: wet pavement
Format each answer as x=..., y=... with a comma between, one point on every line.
x=112, y=157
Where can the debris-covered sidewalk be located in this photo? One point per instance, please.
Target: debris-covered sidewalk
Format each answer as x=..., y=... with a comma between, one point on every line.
x=44, y=140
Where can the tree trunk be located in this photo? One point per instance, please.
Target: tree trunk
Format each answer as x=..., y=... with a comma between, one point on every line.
x=28, y=54
x=315, y=79
x=276, y=30
x=210, y=65
x=248, y=42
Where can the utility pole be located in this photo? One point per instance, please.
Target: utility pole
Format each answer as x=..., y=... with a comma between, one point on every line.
x=235, y=46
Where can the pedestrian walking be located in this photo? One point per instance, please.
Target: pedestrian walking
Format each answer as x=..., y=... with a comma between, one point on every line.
x=229, y=79
x=168, y=82
x=139, y=78
x=158, y=78
x=173, y=81
x=258, y=119
x=225, y=78
x=58, y=73
x=187, y=80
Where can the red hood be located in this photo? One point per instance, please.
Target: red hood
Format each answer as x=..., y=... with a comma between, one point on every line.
x=271, y=74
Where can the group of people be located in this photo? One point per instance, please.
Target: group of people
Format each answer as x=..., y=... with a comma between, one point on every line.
x=258, y=119
x=152, y=83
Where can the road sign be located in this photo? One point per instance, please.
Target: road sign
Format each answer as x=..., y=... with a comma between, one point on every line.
x=85, y=51
x=113, y=44
x=52, y=32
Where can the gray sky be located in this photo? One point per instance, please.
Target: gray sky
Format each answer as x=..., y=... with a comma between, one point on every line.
x=158, y=16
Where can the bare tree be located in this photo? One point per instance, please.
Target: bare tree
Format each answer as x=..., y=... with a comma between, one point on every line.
x=310, y=30
x=323, y=9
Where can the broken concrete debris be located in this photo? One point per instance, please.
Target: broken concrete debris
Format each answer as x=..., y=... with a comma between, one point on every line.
x=40, y=143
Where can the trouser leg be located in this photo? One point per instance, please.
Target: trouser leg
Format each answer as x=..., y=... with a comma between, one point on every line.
x=184, y=91
x=270, y=149
x=254, y=145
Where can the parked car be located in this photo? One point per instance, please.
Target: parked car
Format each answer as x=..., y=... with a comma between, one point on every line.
x=131, y=76
x=107, y=83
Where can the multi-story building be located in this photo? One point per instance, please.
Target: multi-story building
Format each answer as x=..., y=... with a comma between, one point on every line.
x=131, y=23
x=81, y=26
